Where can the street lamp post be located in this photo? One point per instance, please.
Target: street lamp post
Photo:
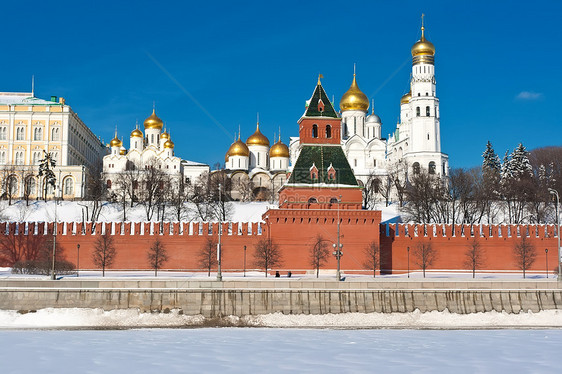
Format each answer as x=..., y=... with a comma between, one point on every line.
x=338, y=247
x=219, y=255
x=555, y=193
x=408, y=249
x=244, y=261
x=546, y=258
x=78, y=261
x=53, y=275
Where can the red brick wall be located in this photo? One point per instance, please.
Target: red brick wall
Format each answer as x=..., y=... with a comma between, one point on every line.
x=496, y=240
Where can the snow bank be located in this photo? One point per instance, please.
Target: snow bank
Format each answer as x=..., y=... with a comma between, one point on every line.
x=59, y=318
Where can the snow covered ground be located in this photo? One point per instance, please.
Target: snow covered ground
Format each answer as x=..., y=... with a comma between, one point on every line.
x=249, y=350
x=72, y=211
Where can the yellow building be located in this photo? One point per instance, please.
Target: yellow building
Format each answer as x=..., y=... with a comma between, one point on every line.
x=29, y=127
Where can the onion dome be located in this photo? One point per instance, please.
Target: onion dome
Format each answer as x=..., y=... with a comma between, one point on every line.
x=354, y=98
x=423, y=50
x=164, y=135
x=122, y=151
x=169, y=144
x=238, y=148
x=136, y=133
x=257, y=138
x=153, y=122
x=115, y=142
x=406, y=98
x=373, y=118
x=279, y=149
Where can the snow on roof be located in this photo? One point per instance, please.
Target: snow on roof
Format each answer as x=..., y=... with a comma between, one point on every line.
x=23, y=98
x=192, y=163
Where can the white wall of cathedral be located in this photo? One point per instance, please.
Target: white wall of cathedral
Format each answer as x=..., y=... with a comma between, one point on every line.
x=258, y=156
x=353, y=122
x=373, y=131
x=136, y=143
x=278, y=163
x=238, y=163
x=434, y=163
x=152, y=136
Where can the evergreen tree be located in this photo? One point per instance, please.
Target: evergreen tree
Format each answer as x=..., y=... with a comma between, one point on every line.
x=519, y=163
x=491, y=160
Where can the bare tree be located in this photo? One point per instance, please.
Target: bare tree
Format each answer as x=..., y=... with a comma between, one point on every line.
x=525, y=254
x=104, y=252
x=208, y=255
x=244, y=186
x=475, y=256
x=122, y=192
x=96, y=191
x=424, y=255
x=157, y=255
x=179, y=194
x=9, y=182
x=319, y=253
x=28, y=181
x=372, y=254
x=152, y=187
x=267, y=255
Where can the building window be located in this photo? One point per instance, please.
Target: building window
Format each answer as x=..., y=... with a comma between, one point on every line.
x=427, y=111
x=314, y=131
x=38, y=133
x=19, y=158
x=355, y=162
x=68, y=186
x=312, y=200
x=20, y=133
x=12, y=185
x=30, y=186
x=431, y=167
x=108, y=183
x=3, y=133
x=416, y=167
x=417, y=111
x=2, y=157
x=333, y=200
x=427, y=136
x=55, y=133
x=375, y=162
x=328, y=131
x=36, y=158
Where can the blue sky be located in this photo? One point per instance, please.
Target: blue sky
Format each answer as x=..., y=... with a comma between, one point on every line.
x=211, y=66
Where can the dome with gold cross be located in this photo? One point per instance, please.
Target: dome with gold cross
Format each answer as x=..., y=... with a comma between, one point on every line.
x=153, y=122
x=279, y=149
x=258, y=138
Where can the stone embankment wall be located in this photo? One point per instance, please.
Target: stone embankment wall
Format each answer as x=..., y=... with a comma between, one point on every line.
x=216, y=299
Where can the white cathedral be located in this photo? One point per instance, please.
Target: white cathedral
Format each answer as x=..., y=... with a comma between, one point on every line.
x=414, y=145
x=154, y=148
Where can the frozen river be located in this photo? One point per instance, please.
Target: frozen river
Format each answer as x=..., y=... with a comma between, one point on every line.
x=272, y=350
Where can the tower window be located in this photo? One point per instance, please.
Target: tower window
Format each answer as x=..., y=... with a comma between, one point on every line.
x=427, y=111
x=416, y=167
x=314, y=131
x=355, y=162
x=417, y=111
x=419, y=94
x=328, y=131
x=431, y=167
x=427, y=94
x=427, y=136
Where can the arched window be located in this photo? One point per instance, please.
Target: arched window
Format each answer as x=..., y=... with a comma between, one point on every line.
x=416, y=167
x=2, y=157
x=431, y=167
x=12, y=185
x=417, y=111
x=55, y=134
x=312, y=200
x=20, y=133
x=68, y=186
x=333, y=200
x=314, y=131
x=38, y=133
x=328, y=131
x=427, y=113
x=108, y=183
x=3, y=133
x=36, y=157
x=19, y=158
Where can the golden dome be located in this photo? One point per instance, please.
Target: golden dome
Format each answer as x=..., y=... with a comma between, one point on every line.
x=122, y=151
x=238, y=148
x=354, y=98
x=164, y=135
x=136, y=133
x=279, y=149
x=115, y=142
x=406, y=98
x=153, y=122
x=169, y=144
x=258, y=138
x=423, y=47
